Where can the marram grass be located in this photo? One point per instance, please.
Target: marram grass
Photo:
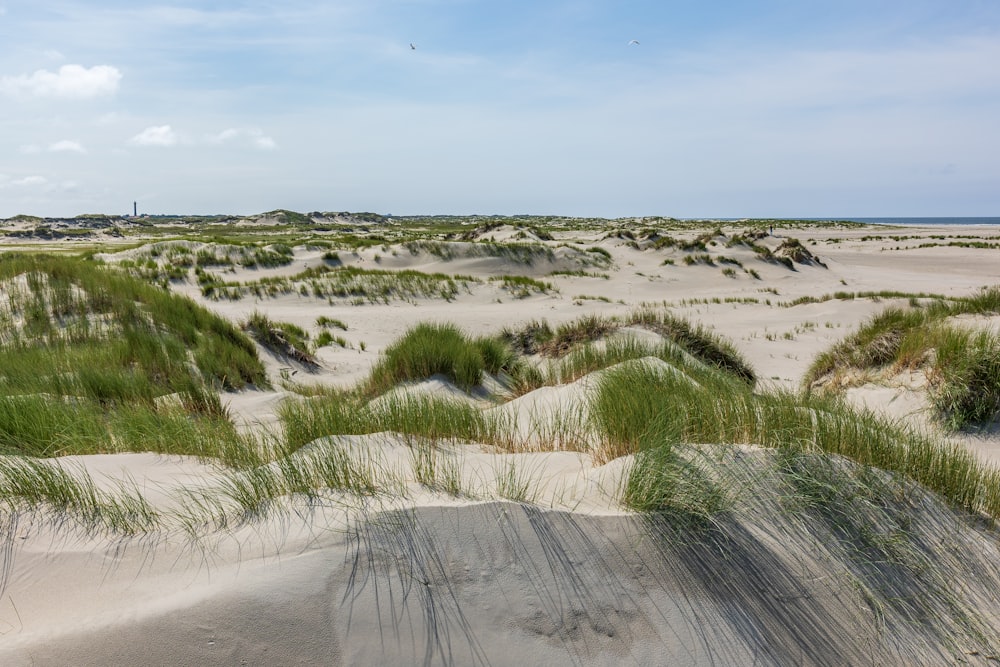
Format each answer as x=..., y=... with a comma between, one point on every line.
x=644, y=402
x=961, y=364
x=658, y=403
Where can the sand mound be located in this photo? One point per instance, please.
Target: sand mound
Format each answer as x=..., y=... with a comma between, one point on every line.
x=506, y=583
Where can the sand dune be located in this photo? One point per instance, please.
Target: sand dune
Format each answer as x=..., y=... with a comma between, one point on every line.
x=567, y=576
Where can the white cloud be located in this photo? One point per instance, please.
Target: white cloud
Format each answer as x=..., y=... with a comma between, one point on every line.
x=29, y=181
x=71, y=81
x=265, y=143
x=253, y=136
x=65, y=146
x=225, y=136
x=156, y=135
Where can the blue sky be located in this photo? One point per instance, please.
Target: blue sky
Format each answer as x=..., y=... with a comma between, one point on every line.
x=728, y=109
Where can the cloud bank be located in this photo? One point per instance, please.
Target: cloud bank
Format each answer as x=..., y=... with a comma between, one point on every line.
x=157, y=135
x=70, y=82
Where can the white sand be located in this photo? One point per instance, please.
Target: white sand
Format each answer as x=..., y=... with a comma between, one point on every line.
x=424, y=578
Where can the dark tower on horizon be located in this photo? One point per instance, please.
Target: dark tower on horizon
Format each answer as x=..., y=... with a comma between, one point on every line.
x=135, y=210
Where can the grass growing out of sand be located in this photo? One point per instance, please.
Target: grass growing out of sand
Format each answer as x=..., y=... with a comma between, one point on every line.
x=116, y=355
x=639, y=406
x=966, y=376
x=282, y=338
x=962, y=365
x=652, y=399
x=436, y=469
x=668, y=481
x=328, y=465
x=355, y=284
x=29, y=483
x=95, y=361
x=432, y=349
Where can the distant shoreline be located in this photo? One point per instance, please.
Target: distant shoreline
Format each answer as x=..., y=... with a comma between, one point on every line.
x=902, y=222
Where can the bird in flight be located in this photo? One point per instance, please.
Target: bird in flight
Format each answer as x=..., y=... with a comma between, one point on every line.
x=413, y=46
x=633, y=41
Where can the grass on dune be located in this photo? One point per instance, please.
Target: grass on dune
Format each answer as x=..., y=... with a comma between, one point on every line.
x=282, y=338
x=639, y=404
x=328, y=466
x=423, y=418
x=961, y=364
x=905, y=566
x=431, y=349
x=575, y=336
x=71, y=305
x=965, y=376
x=659, y=403
x=93, y=361
x=355, y=284
x=648, y=405
x=27, y=483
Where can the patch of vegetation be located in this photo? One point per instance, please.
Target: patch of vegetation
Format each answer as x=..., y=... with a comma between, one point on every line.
x=572, y=334
x=431, y=349
x=521, y=287
x=283, y=338
x=579, y=273
x=794, y=250
x=706, y=407
x=960, y=364
x=701, y=258
x=765, y=255
x=701, y=343
x=330, y=323
x=92, y=360
x=348, y=282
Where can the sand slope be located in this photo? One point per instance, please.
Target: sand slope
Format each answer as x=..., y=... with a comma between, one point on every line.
x=493, y=583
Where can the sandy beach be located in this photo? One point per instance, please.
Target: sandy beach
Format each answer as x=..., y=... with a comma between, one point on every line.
x=563, y=575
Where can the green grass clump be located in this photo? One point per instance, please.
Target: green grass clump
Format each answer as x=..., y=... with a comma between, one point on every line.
x=876, y=344
x=71, y=304
x=94, y=361
x=347, y=413
x=587, y=359
x=965, y=381
x=37, y=425
x=282, y=338
x=326, y=466
x=30, y=484
x=194, y=425
x=570, y=335
x=629, y=412
x=962, y=366
x=639, y=406
x=529, y=338
x=662, y=482
x=521, y=287
x=984, y=302
x=329, y=323
x=431, y=349
x=325, y=338
x=572, y=339
x=518, y=253
x=697, y=341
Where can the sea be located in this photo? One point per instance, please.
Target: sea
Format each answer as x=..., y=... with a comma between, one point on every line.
x=919, y=221
x=907, y=222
